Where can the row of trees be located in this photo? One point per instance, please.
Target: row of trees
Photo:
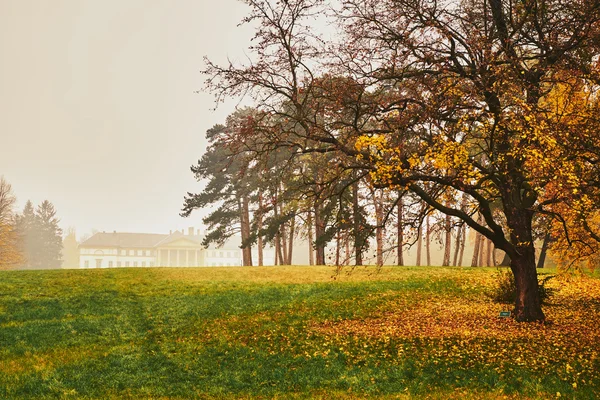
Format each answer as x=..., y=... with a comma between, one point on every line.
x=273, y=198
x=484, y=110
x=32, y=239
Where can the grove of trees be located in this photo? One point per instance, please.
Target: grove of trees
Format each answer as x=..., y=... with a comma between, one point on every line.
x=10, y=254
x=485, y=111
x=32, y=239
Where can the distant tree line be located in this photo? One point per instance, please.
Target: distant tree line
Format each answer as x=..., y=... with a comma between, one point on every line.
x=31, y=239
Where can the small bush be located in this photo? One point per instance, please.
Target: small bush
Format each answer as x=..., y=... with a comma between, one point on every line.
x=505, y=290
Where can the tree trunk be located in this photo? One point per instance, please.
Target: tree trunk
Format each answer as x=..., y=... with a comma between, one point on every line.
x=279, y=260
x=463, y=231
x=428, y=240
x=447, y=240
x=338, y=244
x=291, y=240
x=542, y=258
x=488, y=252
x=309, y=229
x=476, y=249
x=419, y=244
x=400, y=249
x=259, y=243
x=245, y=230
x=457, y=246
x=481, y=250
x=347, y=243
x=527, y=303
x=319, y=232
x=358, y=246
x=284, y=248
x=278, y=253
x=378, y=202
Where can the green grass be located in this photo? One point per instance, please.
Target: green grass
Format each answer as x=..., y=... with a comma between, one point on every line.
x=289, y=332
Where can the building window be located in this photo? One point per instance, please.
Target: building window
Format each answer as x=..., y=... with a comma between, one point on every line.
x=86, y=264
x=151, y=264
x=135, y=263
x=122, y=252
x=118, y=263
x=110, y=264
x=220, y=254
x=143, y=263
x=228, y=255
x=98, y=263
x=127, y=263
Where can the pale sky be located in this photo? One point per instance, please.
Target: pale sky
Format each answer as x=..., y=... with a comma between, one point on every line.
x=98, y=110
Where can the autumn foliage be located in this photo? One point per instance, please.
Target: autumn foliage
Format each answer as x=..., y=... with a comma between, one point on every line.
x=494, y=102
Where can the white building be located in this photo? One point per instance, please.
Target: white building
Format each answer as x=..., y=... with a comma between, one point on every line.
x=117, y=249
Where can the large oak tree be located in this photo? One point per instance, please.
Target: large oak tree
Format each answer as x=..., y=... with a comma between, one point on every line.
x=444, y=99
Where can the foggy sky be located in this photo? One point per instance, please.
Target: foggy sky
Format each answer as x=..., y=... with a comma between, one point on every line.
x=97, y=106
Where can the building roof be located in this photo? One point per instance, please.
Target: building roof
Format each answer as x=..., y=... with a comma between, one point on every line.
x=124, y=240
x=197, y=239
x=149, y=240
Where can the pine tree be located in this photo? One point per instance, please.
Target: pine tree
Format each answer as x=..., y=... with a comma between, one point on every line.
x=28, y=229
x=41, y=235
x=50, y=235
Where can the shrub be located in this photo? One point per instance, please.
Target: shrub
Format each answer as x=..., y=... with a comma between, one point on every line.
x=505, y=291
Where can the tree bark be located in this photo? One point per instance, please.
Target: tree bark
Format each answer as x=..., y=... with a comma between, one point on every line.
x=463, y=230
x=347, y=244
x=319, y=232
x=358, y=246
x=447, y=240
x=527, y=303
x=488, y=252
x=283, y=238
x=259, y=243
x=480, y=262
x=542, y=258
x=419, y=244
x=428, y=240
x=338, y=244
x=245, y=231
x=400, y=249
x=309, y=229
x=279, y=260
x=291, y=240
x=457, y=246
x=476, y=249
x=378, y=202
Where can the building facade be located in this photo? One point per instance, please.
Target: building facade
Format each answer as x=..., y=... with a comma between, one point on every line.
x=118, y=249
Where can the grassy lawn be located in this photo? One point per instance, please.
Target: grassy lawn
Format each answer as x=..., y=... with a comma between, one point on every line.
x=289, y=332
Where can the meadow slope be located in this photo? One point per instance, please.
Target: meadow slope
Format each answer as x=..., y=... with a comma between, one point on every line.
x=289, y=332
